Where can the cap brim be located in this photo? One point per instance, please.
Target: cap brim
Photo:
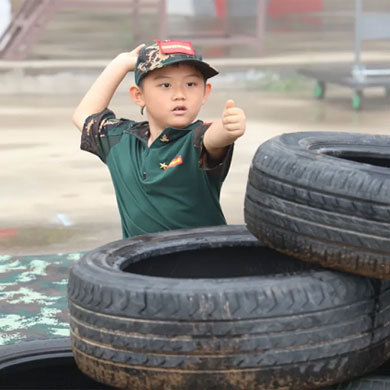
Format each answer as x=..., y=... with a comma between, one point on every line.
x=206, y=69
x=203, y=67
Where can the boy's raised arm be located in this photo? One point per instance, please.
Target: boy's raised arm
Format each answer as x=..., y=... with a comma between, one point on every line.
x=99, y=95
x=224, y=131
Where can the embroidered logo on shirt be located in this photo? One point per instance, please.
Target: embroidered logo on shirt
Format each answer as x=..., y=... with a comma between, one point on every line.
x=176, y=161
x=164, y=138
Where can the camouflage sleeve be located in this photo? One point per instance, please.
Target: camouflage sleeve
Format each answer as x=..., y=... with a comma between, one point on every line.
x=100, y=133
x=218, y=170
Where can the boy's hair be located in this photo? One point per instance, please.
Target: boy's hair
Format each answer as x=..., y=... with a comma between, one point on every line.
x=163, y=53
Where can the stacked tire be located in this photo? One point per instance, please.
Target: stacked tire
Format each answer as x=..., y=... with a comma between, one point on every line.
x=215, y=308
x=324, y=198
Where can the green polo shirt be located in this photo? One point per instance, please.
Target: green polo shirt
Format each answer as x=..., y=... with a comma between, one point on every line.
x=166, y=186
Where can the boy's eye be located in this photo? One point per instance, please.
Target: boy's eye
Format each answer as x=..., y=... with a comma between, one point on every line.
x=191, y=84
x=165, y=85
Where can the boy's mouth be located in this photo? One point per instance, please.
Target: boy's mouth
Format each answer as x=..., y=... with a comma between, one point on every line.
x=179, y=110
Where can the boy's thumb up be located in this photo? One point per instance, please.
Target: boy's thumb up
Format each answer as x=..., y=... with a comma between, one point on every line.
x=229, y=104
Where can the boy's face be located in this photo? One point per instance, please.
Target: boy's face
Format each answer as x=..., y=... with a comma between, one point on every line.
x=173, y=95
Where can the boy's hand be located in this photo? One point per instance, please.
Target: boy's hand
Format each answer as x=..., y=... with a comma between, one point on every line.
x=100, y=93
x=129, y=59
x=233, y=120
x=225, y=131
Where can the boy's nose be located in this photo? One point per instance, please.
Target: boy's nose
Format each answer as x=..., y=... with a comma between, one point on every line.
x=178, y=94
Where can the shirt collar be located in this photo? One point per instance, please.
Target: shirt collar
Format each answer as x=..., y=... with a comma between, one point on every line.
x=141, y=131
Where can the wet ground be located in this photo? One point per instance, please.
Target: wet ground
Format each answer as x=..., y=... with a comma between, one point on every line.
x=55, y=198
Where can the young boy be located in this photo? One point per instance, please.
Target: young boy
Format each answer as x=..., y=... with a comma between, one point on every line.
x=167, y=172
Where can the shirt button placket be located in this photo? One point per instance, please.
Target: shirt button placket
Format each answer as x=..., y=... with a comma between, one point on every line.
x=146, y=153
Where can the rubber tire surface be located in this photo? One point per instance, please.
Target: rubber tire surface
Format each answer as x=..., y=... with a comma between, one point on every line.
x=42, y=364
x=378, y=380
x=310, y=195
x=292, y=325
x=368, y=383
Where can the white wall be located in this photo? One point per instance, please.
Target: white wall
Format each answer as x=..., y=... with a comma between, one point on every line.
x=180, y=7
x=5, y=18
x=5, y=15
x=192, y=7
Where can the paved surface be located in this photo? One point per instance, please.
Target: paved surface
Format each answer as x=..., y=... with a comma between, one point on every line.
x=55, y=198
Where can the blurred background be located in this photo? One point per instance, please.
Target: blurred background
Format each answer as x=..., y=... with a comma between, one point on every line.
x=58, y=199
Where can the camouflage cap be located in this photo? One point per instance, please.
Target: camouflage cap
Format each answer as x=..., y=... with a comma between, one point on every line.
x=163, y=53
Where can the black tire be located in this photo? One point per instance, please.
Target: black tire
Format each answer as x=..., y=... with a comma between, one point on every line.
x=378, y=380
x=42, y=364
x=325, y=198
x=368, y=383
x=212, y=308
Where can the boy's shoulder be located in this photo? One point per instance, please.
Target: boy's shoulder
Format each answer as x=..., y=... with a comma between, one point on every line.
x=116, y=128
x=105, y=123
x=113, y=123
x=100, y=122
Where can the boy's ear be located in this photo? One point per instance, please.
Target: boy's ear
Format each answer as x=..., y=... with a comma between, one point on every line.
x=207, y=91
x=136, y=95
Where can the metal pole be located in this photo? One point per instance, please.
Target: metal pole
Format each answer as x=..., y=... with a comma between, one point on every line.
x=227, y=19
x=358, y=33
x=261, y=11
x=163, y=10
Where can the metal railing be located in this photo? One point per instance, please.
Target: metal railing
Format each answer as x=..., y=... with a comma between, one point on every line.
x=29, y=22
x=368, y=26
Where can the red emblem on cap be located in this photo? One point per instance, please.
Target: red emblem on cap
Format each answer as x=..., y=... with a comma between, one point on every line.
x=174, y=47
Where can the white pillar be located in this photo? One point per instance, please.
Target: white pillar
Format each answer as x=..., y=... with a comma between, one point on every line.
x=181, y=7
x=5, y=18
x=5, y=15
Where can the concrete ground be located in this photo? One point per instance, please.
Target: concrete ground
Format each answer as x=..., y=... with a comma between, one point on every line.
x=56, y=198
